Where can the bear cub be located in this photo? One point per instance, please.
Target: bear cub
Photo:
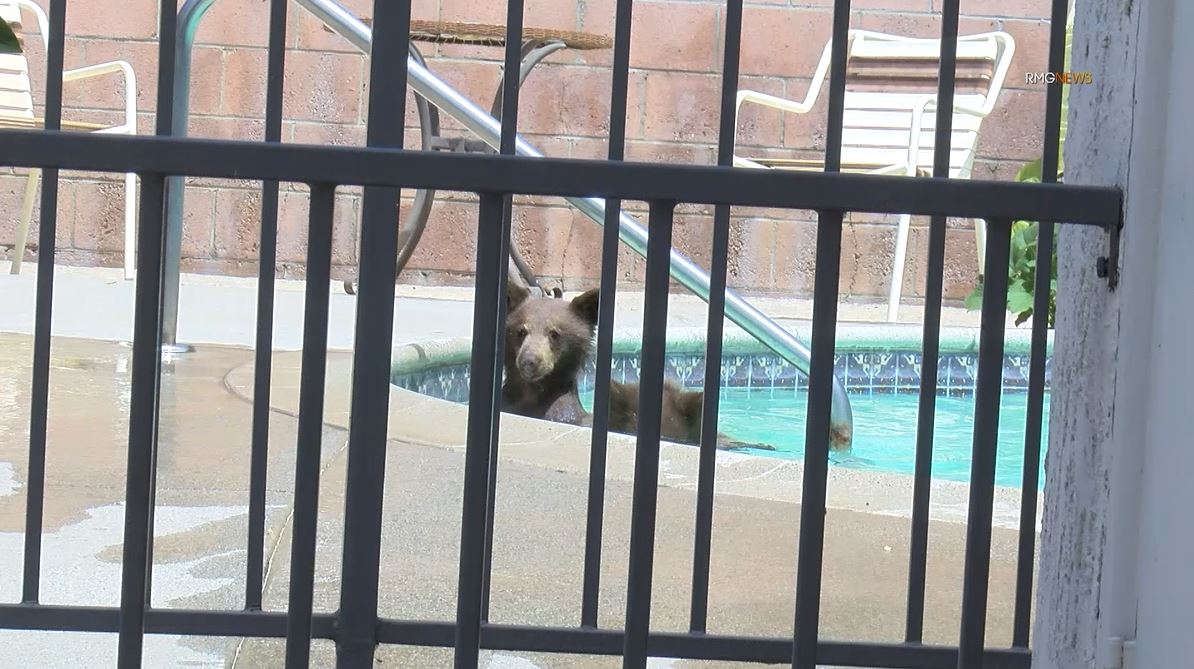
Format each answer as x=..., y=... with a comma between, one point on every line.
x=547, y=343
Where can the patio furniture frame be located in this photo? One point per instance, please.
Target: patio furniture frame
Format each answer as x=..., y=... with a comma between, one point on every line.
x=884, y=131
x=14, y=73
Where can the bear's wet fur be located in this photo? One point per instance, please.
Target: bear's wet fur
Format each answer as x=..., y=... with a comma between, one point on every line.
x=547, y=343
x=681, y=414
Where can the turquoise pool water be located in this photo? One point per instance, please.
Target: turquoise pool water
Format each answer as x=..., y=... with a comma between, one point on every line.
x=884, y=430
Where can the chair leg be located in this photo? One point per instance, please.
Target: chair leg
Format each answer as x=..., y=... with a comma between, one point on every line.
x=130, y=225
x=18, y=252
x=897, y=268
x=980, y=243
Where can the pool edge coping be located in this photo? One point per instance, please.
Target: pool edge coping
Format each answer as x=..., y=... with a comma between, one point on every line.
x=428, y=421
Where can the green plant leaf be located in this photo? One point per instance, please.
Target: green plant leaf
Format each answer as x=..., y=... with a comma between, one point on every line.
x=1030, y=171
x=974, y=301
x=8, y=39
x=1019, y=300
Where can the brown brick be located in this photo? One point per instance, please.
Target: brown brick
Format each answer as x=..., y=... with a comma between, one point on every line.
x=759, y=125
x=294, y=209
x=1032, y=52
x=199, y=210
x=219, y=127
x=682, y=107
x=574, y=101
x=1003, y=8
x=806, y=132
x=542, y=236
x=243, y=23
x=1015, y=128
x=450, y=241
x=667, y=152
x=12, y=192
x=795, y=259
x=632, y=268
x=326, y=134
x=867, y=252
x=917, y=25
x=692, y=235
x=892, y=5
x=244, y=82
x=324, y=87
x=238, y=223
x=100, y=222
x=751, y=249
x=783, y=42
x=597, y=16
x=345, y=228
x=961, y=263
x=107, y=91
x=996, y=170
x=556, y=14
x=207, y=81
x=133, y=20
x=672, y=36
x=586, y=148
x=309, y=33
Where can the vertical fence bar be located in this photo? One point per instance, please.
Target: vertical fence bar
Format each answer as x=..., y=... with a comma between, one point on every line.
x=310, y=426
x=707, y=471
x=595, y=514
x=646, y=451
x=146, y=372
x=931, y=346
x=268, y=249
x=511, y=82
x=988, y=387
x=482, y=404
x=1040, y=334
x=820, y=378
x=361, y=559
x=39, y=409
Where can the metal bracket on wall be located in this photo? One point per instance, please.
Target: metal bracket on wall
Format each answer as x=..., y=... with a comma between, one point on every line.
x=1108, y=264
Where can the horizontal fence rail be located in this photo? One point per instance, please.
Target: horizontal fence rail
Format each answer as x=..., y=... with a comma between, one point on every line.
x=383, y=167
x=691, y=184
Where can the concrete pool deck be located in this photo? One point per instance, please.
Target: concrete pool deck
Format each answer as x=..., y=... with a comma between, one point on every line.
x=203, y=492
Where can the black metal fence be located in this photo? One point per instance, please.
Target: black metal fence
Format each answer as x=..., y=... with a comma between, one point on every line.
x=383, y=168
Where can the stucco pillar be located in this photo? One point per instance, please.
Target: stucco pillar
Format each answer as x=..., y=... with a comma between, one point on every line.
x=1117, y=546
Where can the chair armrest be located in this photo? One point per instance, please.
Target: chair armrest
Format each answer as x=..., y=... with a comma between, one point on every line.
x=924, y=105
x=765, y=100
x=122, y=68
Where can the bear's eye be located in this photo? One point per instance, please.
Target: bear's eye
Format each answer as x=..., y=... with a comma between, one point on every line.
x=522, y=332
x=554, y=334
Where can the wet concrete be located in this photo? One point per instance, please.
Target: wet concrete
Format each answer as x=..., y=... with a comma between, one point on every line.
x=202, y=499
x=202, y=514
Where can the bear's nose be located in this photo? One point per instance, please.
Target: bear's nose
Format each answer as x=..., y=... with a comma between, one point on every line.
x=529, y=366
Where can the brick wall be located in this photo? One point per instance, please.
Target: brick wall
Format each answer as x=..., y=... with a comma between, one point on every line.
x=672, y=117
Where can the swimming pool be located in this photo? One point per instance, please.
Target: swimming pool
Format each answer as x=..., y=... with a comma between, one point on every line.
x=764, y=399
x=884, y=430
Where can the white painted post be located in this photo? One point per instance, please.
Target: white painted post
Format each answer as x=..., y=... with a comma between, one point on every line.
x=1117, y=543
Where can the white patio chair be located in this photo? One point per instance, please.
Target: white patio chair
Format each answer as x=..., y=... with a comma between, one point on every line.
x=16, y=111
x=890, y=114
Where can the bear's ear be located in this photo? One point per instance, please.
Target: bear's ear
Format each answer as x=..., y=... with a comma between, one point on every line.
x=586, y=304
x=516, y=294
